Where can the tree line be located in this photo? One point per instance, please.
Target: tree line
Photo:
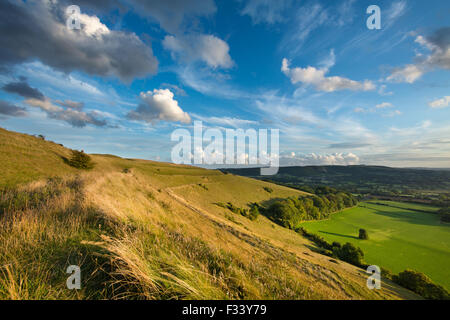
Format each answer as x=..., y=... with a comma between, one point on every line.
x=292, y=211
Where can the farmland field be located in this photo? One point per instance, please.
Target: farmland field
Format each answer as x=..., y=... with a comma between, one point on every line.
x=400, y=237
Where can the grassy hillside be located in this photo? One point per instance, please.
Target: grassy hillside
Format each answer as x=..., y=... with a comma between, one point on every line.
x=401, y=236
x=148, y=230
x=25, y=158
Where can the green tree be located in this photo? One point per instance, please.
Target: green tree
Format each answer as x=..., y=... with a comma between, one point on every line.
x=285, y=214
x=363, y=235
x=253, y=212
x=351, y=254
x=81, y=160
x=421, y=284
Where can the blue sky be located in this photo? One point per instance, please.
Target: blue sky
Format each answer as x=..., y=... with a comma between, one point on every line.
x=137, y=70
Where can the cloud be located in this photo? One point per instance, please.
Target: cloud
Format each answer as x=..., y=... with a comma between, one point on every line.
x=397, y=9
x=440, y=103
x=409, y=73
x=312, y=17
x=317, y=78
x=209, y=82
x=8, y=109
x=97, y=5
x=439, y=57
x=68, y=111
x=76, y=118
x=23, y=89
x=199, y=47
x=285, y=110
x=72, y=114
x=179, y=91
x=303, y=129
x=173, y=14
x=381, y=109
x=386, y=38
x=37, y=30
x=439, y=44
x=70, y=104
x=159, y=105
x=315, y=159
x=384, y=105
x=329, y=61
x=36, y=72
x=308, y=19
x=226, y=121
x=266, y=11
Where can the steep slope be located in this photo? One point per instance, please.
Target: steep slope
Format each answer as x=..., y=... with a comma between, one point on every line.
x=152, y=231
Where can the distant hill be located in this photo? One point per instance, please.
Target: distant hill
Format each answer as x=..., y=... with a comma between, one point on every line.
x=359, y=179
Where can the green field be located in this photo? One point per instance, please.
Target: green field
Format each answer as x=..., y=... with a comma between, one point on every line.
x=398, y=238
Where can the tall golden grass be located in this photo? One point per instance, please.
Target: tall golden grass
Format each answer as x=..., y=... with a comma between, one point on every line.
x=133, y=241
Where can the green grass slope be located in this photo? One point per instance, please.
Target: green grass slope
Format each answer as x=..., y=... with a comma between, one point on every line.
x=25, y=158
x=400, y=237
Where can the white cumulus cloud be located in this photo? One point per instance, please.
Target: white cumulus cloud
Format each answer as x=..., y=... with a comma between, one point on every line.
x=159, y=104
x=318, y=78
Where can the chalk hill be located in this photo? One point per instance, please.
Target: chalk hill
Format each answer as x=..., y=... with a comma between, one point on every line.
x=150, y=230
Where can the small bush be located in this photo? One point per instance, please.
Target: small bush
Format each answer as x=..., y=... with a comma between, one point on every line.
x=421, y=284
x=363, y=235
x=350, y=254
x=81, y=160
x=445, y=214
x=253, y=213
x=336, y=244
x=267, y=189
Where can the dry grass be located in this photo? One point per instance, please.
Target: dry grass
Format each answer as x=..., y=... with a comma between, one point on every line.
x=130, y=246
x=151, y=232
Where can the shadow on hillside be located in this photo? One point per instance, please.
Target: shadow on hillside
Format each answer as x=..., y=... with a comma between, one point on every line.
x=339, y=235
x=63, y=158
x=66, y=161
x=314, y=248
x=412, y=217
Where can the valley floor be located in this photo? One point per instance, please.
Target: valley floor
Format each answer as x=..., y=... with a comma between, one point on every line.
x=401, y=236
